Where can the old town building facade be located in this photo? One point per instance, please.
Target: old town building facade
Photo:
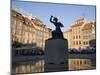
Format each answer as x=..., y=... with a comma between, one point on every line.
x=80, y=34
x=28, y=29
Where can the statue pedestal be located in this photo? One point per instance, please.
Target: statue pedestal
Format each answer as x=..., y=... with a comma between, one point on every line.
x=56, y=55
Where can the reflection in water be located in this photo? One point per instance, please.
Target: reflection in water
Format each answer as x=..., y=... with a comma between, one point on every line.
x=38, y=66
x=79, y=64
x=30, y=67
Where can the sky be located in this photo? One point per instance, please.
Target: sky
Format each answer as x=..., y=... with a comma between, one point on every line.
x=66, y=13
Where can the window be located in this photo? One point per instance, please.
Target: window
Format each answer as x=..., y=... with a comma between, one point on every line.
x=79, y=36
x=79, y=42
x=85, y=62
x=76, y=37
x=77, y=62
x=76, y=42
x=24, y=22
x=74, y=62
x=84, y=42
x=80, y=62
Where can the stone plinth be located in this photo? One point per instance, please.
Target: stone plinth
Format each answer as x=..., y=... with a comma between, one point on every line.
x=56, y=55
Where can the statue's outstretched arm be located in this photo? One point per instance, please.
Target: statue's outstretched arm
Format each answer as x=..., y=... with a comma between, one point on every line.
x=51, y=19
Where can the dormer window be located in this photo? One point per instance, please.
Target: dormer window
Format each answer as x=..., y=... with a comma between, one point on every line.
x=23, y=22
x=14, y=15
